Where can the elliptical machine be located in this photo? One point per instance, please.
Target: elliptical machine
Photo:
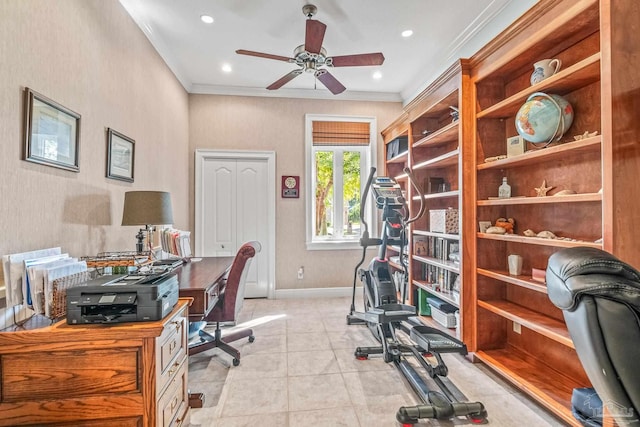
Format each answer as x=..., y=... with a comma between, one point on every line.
x=385, y=315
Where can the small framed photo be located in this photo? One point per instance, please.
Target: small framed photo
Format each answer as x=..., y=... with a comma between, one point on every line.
x=51, y=132
x=120, y=156
x=516, y=146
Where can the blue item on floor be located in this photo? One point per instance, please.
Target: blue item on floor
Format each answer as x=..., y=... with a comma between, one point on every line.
x=195, y=328
x=586, y=407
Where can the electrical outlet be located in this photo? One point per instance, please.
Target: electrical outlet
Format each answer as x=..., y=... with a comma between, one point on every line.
x=517, y=328
x=301, y=273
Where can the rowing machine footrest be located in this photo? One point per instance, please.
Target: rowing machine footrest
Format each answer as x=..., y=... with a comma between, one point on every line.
x=387, y=313
x=432, y=339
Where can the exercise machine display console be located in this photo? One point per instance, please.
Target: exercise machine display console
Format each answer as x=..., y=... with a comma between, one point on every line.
x=387, y=192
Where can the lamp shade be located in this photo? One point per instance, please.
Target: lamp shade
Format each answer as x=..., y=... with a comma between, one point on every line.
x=147, y=208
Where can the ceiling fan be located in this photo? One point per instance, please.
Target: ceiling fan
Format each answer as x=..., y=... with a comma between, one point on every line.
x=311, y=57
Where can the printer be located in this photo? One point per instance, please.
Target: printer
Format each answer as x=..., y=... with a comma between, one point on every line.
x=122, y=298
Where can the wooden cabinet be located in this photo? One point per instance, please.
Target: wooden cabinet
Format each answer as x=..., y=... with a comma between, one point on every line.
x=132, y=374
x=396, y=150
x=433, y=124
x=436, y=160
x=516, y=330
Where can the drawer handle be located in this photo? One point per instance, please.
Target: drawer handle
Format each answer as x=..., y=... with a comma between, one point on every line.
x=174, y=403
x=177, y=324
x=172, y=346
x=174, y=368
x=178, y=422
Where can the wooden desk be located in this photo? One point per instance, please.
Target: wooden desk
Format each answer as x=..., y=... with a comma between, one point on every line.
x=201, y=281
x=130, y=374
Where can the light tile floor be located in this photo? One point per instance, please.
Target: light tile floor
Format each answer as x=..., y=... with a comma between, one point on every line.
x=301, y=371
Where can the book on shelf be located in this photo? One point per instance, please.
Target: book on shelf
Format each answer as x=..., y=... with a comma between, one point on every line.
x=438, y=278
x=435, y=247
x=420, y=245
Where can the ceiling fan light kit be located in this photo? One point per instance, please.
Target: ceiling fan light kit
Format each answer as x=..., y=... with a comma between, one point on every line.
x=310, y=57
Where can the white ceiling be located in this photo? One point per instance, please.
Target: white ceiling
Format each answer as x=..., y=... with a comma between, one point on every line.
x=443, y=31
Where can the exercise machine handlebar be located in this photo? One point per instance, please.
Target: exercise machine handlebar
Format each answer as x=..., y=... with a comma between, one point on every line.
x=423, y=207
x=365, y=240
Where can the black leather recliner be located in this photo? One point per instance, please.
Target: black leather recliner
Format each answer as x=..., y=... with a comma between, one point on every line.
x=600, y=299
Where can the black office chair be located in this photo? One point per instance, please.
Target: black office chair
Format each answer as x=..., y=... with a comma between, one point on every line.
x=600, y=299
x=228, y=306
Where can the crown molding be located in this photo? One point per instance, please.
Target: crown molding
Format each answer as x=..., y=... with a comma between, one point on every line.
x=462, y=46
x=295, y=93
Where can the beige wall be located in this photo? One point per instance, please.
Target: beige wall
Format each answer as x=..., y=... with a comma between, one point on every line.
x=277, y=124
x=89, y=56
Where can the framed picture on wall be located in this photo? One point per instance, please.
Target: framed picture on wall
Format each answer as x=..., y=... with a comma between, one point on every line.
x=120, y=156
x=52, y=132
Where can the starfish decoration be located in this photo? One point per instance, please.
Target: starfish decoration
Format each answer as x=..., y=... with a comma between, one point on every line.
x=542, y=190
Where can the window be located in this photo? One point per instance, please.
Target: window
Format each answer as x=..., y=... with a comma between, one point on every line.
x=339, y=154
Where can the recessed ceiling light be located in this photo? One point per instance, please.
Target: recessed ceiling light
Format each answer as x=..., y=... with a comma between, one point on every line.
x=206, y=19
x=226, y=68
x=377, y=75
x=407, y=33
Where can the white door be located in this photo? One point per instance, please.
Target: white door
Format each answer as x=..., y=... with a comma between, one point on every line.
x=233, y=197
x=219, y=208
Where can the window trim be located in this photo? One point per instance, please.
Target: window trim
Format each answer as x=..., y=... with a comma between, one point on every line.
x=370, y=160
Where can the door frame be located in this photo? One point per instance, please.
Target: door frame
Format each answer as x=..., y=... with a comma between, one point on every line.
x=202, y=155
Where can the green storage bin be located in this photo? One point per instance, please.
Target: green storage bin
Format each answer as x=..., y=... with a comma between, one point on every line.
x=424, y=309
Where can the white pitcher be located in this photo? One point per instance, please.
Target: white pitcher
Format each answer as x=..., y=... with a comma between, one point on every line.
x=545, y=68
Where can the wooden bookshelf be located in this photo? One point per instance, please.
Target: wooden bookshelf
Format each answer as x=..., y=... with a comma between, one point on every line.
x=516, y=329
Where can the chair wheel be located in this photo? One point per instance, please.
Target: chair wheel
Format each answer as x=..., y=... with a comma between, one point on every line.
x=236, y=362
x=252, y=338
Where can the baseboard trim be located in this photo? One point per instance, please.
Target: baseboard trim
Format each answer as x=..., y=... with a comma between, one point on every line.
x=314, y=293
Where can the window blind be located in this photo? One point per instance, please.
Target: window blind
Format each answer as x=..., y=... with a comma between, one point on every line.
x=340, y=133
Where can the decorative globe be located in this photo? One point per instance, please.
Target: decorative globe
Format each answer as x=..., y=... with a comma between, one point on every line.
x=544, y=118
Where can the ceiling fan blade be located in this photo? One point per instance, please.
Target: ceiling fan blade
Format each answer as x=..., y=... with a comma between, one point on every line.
x=284, y=80
x=358, y=60
x=264, y=55
x=330, y=82
x=314, y=36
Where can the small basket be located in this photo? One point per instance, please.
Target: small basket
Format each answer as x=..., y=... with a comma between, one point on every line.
x=58, y=299
x=117, y=259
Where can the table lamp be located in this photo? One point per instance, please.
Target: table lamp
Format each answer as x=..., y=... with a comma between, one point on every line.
x=148, y=208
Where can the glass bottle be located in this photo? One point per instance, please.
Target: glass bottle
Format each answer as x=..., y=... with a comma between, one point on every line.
x=504, y=191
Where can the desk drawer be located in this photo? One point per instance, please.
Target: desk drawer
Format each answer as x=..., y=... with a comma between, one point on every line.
x=211, y=296
x=171, y=348
x=173, y=404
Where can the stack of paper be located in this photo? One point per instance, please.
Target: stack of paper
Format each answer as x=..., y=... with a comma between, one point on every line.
x=13, y=267
x=176, y=242
x=29, y=276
